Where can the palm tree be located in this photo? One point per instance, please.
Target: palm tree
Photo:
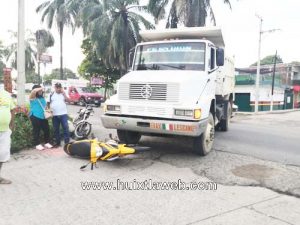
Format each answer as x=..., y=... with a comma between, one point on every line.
x=44, y=40
x=30, y=51
x=113, y=28
x=3, y=53
x=59, y=11
x=193, y=13
x=35, y=45
x=30, y=54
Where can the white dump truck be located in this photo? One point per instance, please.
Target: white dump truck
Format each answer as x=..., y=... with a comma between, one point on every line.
x=180, y=84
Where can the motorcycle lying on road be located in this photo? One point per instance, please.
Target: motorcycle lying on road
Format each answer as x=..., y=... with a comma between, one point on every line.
x=95, y=150
x=82, y=128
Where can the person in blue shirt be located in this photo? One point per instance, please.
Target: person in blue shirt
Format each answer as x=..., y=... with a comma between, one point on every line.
x=37, y=107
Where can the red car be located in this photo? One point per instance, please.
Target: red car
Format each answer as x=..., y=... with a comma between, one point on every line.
x=84, y=95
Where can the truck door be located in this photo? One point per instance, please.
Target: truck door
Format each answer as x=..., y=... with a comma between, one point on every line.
x=212, y=69
x=71, y=93
x=76, y=94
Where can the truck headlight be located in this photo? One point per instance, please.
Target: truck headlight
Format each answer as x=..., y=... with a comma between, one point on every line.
x=114, y=108
x=182, y=112
x=188, y=113
x=179, y=112
x=196, y=114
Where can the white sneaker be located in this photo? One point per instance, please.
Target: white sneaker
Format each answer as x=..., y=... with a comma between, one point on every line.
x=39, y=147
x=48, y=145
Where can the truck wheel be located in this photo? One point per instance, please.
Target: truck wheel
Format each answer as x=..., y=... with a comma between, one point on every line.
x=128, y=137
x=224, y=123
x=81, y=102
x=203, y=144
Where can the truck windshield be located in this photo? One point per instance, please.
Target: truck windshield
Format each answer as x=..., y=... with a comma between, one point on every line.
x=171, y=56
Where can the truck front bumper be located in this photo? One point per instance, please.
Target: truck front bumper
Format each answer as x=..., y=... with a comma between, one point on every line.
x=155, y=126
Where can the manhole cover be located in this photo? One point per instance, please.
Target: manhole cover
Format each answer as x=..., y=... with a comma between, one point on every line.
x=253, y=171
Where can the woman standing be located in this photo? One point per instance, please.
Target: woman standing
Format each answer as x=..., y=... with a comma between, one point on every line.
x=38, y=121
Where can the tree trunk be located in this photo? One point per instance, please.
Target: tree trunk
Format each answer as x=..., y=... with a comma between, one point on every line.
x=195, y=13
x=172, y=20
x=125, y=18
x=39, y=72
x=105, y=93
x=61, y=31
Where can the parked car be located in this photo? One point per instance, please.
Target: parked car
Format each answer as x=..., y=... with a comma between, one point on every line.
x=84, y=95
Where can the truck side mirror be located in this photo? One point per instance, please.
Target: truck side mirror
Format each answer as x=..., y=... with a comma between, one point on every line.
x=130, y=58
x=220, y=57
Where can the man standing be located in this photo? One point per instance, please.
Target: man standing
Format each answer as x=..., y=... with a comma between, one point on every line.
x=57, y=101
x=6, y=127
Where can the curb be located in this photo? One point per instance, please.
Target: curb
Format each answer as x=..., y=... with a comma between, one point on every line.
x=268, y=112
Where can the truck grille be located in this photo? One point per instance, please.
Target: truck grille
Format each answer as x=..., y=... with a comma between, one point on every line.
x=149, y=91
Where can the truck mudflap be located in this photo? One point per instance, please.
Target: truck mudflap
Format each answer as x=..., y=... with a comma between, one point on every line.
x=156, y=126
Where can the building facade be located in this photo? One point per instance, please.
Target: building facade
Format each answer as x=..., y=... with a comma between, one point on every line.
x=286, y=94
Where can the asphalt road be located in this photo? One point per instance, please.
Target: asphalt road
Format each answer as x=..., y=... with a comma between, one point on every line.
x=274, y=137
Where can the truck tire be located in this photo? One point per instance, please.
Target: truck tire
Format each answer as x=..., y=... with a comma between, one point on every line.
x=128, y=137
x=203, y=144
x=224, y=123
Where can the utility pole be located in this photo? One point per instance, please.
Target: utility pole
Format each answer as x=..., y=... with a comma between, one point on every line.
x=273, y=81
x=258, y=66
x=21, y=54
x=258, y=61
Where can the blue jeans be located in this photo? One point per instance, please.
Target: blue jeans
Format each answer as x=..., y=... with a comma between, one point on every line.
x=63, y=120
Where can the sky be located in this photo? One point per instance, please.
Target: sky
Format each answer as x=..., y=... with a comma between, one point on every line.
x=239, y=24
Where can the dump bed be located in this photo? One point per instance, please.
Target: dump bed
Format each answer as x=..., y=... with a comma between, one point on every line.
x=225, y=78
x=213, y=34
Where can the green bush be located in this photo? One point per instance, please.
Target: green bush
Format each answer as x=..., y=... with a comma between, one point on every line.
x=22, y=134
x=22, y=137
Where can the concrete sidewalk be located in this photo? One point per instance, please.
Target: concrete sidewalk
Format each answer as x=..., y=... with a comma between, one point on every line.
x=47, y=189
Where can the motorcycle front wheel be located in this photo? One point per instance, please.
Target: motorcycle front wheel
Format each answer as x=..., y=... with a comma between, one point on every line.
x=82, y=130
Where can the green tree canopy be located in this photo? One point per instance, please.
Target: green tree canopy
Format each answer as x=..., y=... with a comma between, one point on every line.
x=270, y=59
x=2, y=66
x=295, y=62
x=192, y=13
x=32, y=77
x=55, y=74
x=93, y=66
x=30, y=51
x=3, y=53
x=113, y=28
x=59, y=12
x=44, y=40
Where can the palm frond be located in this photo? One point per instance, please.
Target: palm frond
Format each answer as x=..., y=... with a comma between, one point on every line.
x=157, y=9
x=42, y=6
x=140, y=19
